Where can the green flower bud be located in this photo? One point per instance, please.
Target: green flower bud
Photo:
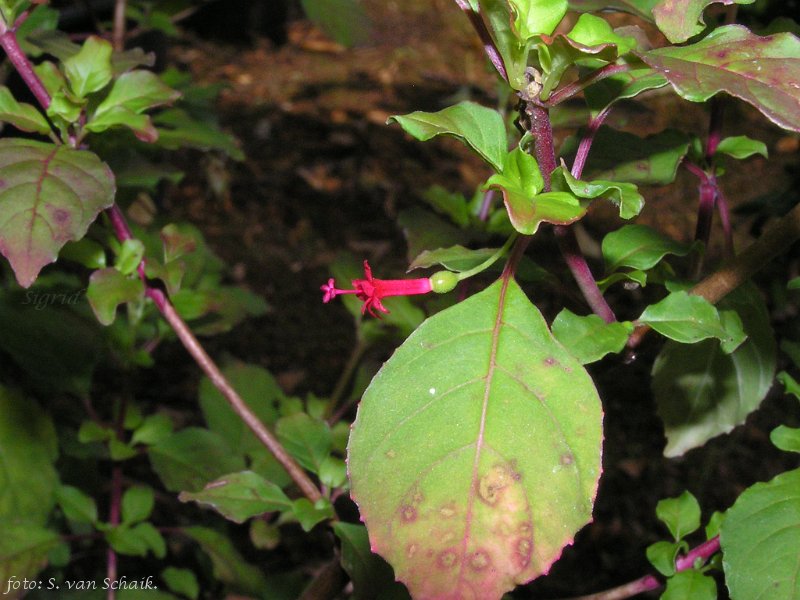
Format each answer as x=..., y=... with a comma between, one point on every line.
x=443, y=281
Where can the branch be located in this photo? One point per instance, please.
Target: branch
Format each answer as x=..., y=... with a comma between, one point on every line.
x=489, y=47
x=9, y=43
x=568, y=91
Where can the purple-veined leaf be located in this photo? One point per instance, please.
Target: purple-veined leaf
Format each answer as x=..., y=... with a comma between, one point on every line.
x=475, y=453
x=49, y=195
x=479, y=127
x=702, y=392
x=681, y=19
x=763, y=71
x=760, y=537
x=640, y=8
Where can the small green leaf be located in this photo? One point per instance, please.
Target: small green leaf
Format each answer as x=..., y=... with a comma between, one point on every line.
x=513, y=51
x=130, y=255
x=49, y=195
x=681, y=515
x=633, y=278
x=153, y=429
x=90, y=431
x=479, y=127
x=239, y=496
x=786, y=438
x=681, y=19
x=372, y=578
x=638, y=247
x=451, y=204
x=662, y=556
x=76, y=505
x=590, y=338
x=688, y=319
x=86, y=252
x=179, y=129
x=108, y=288
x=181, y=581
x=119, y=450
x=333, y=472
x=455, y=258
x=137, y=504
x=741, y=146
x=760, y=538
x=625, y=196
x=307, y=439
x=535, y=17
x=640, y=8
x=137, y=91
x=263, y=535
x=309, y=514
x=228, y=565
x=621, y=86
x=714, y=524
x=89, y=70
x=190, y=458
x=24, y=117
x=132, y=541
x=690, y=584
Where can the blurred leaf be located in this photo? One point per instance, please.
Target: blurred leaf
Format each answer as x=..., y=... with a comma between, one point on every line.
x=638, y=247
x=589, y=338
x=333, y=472
x=130, y=255
x=263, y=535
x=153, y=429
x=424, y=230
x=372, y=577
x=136, y=540
x=178, y=129
x=228, y=564
x=86, y=252
x=309, y=514
x=681, y=19
x=181, y=581
x=477, y=126
x=760, y=537
x=28, y=446
x=681, y=515
x=306, y=439
x=741, y=147
x=702, y=392
x=137, y=504
x=190, y=458
x=49, y=195
x=24, y=546
x=239, y=496
x=759, y=70
x=786, y=438
x=690, y=584
x=689, y=319
x=108, y=288
x=451, y=204
x=260, y=392
x=344, y=20
x=24, y=117
x=662, y=556
x=76, y=505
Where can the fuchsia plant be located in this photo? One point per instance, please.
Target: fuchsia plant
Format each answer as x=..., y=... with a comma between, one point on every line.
x=477, y=449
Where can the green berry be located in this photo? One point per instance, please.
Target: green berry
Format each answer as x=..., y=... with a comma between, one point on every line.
x=443, y=281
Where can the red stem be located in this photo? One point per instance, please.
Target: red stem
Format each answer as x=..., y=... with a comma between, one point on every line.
x=489, y=47
x=586, y=142
x=569, y=90
x=9, y=43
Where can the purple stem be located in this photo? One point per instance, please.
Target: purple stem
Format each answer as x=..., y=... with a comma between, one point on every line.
x=568, y=91
x=586, y=142
x=486, y=38
x=714, y=127
x=9, y=43
x=725, y=218
x=565, y=236
x=486, y=204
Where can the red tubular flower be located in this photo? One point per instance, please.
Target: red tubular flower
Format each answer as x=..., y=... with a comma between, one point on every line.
x=371, y=291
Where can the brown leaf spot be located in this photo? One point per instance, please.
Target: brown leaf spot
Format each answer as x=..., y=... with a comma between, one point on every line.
x=448, y=511
x=411, y=550
x=391, y=454
x=567, y=459
x=60, y=215
x=492, y=484
x=447, y=559
x=525, y=528
x=549, y=361
x=408, y=514
x=479, y=560
x=522, y=552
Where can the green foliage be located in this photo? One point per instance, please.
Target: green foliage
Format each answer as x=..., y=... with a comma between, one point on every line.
x=590, y=338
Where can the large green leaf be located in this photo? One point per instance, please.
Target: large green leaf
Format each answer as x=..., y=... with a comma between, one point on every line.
x=701, y=391
x=492, y=434
x=49, y=195
x=760, y=537
x=190, y=458
x=28, y=448
x=23, y=553
x=681, y=19
x=763, y=71
x=479, y=127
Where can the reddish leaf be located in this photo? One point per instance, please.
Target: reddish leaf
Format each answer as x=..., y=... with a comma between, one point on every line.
x=49, y=195
x=764, y=71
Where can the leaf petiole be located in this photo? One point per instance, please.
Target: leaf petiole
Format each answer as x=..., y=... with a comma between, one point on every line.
x=489, y=261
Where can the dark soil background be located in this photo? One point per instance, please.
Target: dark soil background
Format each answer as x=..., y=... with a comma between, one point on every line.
x=324, y=174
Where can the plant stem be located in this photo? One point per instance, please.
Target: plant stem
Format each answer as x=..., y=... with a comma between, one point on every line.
x=565, y=236
x=489, y=47
x=9, y=43
x=347, y=374
x=725, y=219
x=649, y=582
x=489, y=261
x=118, y=35
x=210, y=368
x=113, y=520
x=569, y=90
x=586, y=142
